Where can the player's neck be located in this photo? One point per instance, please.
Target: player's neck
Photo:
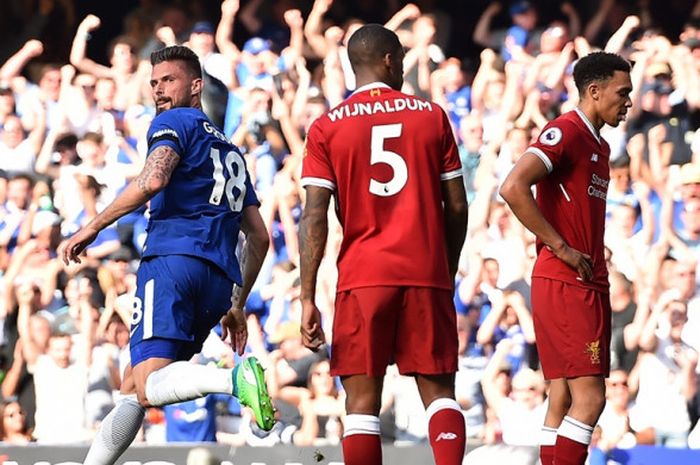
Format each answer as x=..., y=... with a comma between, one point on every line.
x=363, y=80
x=592, y=115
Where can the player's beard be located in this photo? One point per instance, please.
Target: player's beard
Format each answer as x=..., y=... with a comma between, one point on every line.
x=160, y=108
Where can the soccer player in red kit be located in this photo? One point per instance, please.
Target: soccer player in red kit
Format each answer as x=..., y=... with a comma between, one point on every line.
x=391, y=162
x=571, y=307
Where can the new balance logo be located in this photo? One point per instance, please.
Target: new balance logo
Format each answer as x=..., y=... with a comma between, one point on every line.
x=446, y=436
x=594, y=157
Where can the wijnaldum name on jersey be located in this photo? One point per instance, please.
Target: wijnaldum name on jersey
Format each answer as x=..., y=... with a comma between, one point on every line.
x=383, y=106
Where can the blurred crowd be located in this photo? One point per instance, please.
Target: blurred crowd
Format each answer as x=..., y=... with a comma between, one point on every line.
x=73, y=134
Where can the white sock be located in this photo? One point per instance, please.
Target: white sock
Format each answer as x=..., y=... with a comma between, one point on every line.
x=548, y=436
x=181, y=381
x=575, y=430
x=361, y=424
x=116, y=432
x=441, y=404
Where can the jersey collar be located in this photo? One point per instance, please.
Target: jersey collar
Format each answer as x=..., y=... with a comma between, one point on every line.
x=371, y=85
x=588, y=123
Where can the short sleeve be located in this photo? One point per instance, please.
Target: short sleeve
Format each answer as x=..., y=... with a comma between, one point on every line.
x=316, y=168
x=167, y=129
x=451, y=165
x=549, y=146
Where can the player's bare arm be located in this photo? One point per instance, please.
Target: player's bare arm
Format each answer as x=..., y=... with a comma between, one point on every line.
x=456, y=217
x=516, y=190
x=155, y=175
x=160, y=164
x=312, y=245
x=257, y=241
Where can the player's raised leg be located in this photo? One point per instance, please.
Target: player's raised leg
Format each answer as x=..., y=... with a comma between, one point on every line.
x=182, y=381
x=158, y=381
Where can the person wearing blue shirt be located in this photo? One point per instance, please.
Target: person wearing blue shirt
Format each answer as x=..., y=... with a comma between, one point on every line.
x=189, y=278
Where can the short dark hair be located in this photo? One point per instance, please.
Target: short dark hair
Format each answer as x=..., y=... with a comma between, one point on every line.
x=370, y=43
x=65, y=141
x=22, y=176
x=598, y=66
x=178, y=53
x=94, y=137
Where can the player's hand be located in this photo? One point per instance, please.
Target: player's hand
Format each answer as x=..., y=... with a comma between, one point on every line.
x=234, y=324
x=71, y=249
x=311, y=330
x=579, y=261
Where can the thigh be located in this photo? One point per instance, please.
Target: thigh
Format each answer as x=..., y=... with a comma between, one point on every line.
x=572, y=329
x=426, y=341
x=178, y=300
x=364, y=330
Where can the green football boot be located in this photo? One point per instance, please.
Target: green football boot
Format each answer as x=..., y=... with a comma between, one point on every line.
x=250, y=389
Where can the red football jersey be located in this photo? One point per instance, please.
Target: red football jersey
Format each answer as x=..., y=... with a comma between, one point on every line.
x=384, y=154
x=572, y=196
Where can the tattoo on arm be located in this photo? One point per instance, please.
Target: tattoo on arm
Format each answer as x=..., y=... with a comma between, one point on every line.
x=160, y=164
x=238, y=290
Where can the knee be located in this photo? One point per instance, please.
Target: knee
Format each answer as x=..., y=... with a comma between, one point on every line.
x=592, y=404
x=365, y=403
x=141, y=396
x=560, y=404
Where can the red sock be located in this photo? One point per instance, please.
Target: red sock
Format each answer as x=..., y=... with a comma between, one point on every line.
x=547, y=455
x=569, y=452
x=447, y=432
x=362, y=449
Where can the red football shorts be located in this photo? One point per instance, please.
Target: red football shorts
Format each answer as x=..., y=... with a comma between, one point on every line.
x=415, y=327
x=572, y=329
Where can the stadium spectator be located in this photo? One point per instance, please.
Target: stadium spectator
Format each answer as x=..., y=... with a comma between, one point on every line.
x=614, y=422
x=18, y=150
x=509, y=319
x=667, y=372
x=123, y=63
x=518, y=406
x=13, y=424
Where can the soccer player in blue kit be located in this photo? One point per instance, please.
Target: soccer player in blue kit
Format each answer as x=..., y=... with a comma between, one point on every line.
x=189, y=278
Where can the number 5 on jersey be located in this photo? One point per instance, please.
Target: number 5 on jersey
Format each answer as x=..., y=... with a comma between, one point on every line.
x=236, y=179
x=379, y=154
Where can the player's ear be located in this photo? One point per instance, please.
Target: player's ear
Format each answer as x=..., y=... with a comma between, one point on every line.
x=386, y=61
x=196, y=87
x=594, y=90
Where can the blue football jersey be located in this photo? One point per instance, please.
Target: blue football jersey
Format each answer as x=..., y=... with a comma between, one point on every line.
x=199, y=212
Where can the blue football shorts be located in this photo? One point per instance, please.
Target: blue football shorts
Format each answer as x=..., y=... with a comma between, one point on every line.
x=179, y=299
